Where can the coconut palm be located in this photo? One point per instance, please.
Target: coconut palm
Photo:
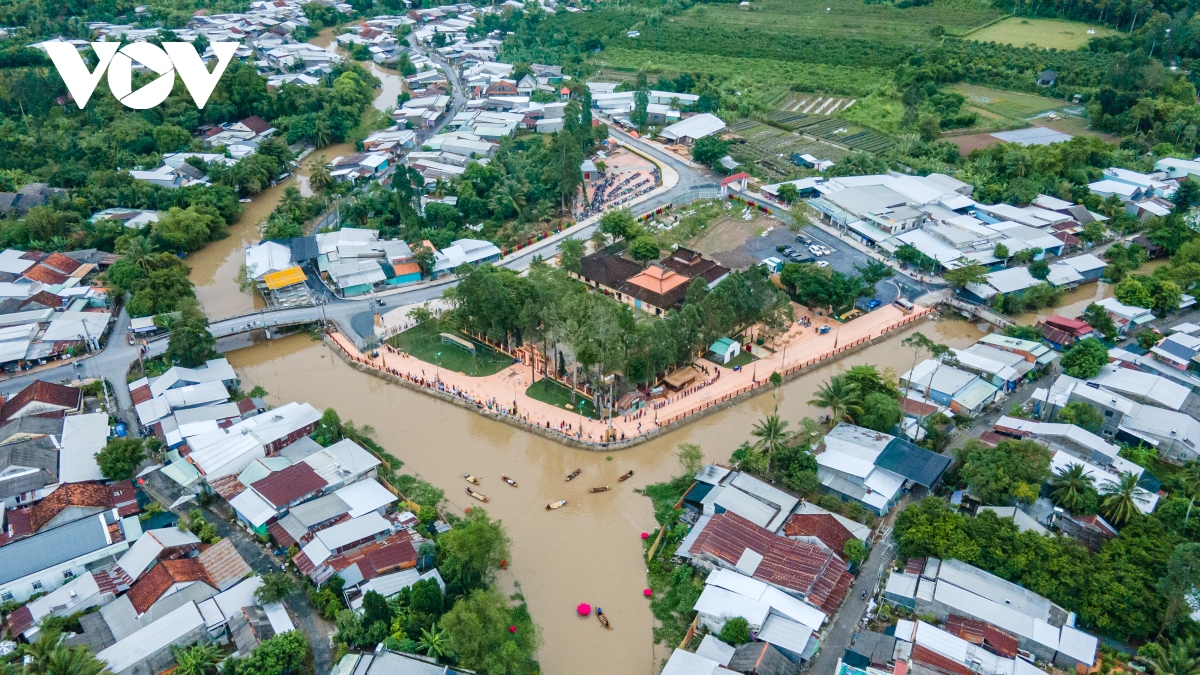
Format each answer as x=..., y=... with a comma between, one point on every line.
x=841, y=396
x=139, y=250
x=1120, y=499
x=318, y=174
x=1069, y=485
x=434, y=642
x=195, y=660
x=1171, y=658
x=322, y=135
x=772, y=435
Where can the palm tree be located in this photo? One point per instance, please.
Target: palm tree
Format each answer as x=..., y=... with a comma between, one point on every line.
x=1171, y=658
x=321, y=133
x=77, y=661
x=434, y=642
x=1120, y=499
x=318, y=174
x=772, y=435
x=140, y=251
x=292, y=202
x=1069, y=485
x=194, y=660
x=841, y=396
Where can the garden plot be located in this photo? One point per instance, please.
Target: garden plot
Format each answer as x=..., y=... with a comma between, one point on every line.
x=816, y=104
x=770, y=149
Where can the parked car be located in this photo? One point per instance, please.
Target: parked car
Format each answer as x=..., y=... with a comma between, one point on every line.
x=822, y=263
x=782, y=249
x=816, y=250
x=804, y=239
x=826, y=250
x=872, y=304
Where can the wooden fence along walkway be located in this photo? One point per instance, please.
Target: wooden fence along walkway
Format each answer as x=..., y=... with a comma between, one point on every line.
x=436, y=388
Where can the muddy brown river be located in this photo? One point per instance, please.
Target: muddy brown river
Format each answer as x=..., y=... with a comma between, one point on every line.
x=215, y=268
x=591, y=550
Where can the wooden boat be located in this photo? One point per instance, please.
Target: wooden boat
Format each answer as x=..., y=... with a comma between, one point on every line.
x=477, y=495
x=573, y=474
x=508, y=480
x=599, y=489
x=603, y=619
x=556, y=505
x=626, y=476
x=471, y=479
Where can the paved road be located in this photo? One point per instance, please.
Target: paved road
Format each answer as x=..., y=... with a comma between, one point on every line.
x=840, y=633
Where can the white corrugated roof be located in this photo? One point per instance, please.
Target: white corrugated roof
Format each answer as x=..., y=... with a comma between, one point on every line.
x=253, y=508
x=697, y=126
x=732, y=499
x=722, y=605
x=1078, y=645
x=712, y=648
x=152, y=638
x=83, y=436
x=145, y=550
x=687, y=663
x=785, y=633
x=364, y=497
x=353, y=530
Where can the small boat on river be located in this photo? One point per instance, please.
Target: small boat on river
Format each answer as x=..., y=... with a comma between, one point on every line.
x=556, y=505
x=508, y=480
x=599, y=489
x=603, y=619
x=471, y=479
x=477, y=495
x=571, y=476
x=626, y=476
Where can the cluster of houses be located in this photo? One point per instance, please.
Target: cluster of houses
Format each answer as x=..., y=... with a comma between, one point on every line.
x=352, y=261
x=49, y=307
x=986, y=625
x=75, y=544
x=1146, y=194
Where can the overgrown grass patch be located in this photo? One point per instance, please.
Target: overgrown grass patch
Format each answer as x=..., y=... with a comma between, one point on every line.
x=549, y=391
x=1045, y=33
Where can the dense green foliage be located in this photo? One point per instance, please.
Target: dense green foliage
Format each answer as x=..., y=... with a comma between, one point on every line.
x=548, y=309
x=1085, y=358
x=1013, y=471
x=120, y=457
x=1114, y=591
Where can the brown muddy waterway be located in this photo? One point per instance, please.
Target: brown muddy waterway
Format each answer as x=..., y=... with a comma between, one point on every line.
x=589, y=551
x=215, y=268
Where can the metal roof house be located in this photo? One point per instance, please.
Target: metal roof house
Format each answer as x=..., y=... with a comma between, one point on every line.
x=148, y=651
x=946, y=385
x=464, y=252
x=46, y=560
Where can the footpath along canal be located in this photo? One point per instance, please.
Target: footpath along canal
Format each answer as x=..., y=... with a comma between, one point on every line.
x=589, y=551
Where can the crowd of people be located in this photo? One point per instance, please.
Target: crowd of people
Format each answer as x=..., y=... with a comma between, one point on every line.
x=610, y=194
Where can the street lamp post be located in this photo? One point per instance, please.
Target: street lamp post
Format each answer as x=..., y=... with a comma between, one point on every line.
x=437, y=363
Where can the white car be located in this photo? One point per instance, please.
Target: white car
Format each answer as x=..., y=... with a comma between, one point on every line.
x=816, y=250
x=826, y=250
x=822, y=263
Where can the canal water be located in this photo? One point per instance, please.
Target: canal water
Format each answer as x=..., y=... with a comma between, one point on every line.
x=215, y=268
x=589, y=551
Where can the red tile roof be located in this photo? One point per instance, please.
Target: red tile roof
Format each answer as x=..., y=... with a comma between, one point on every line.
x=283, y=487
x=823, y=526
x=20, y=620
x=395, y=552
x=914, y=566
x=68, y=495
x=61, y=263
x=42, y=392
x=161, y=577
x=1077, y=327
x=256, y=124
x=918, y=408
x=818, y=574
x=937, y=662
x=44, y=298
x=281, y=535
x=227, y=486
x=45, y=275
x=992, y=438
x=141, y=394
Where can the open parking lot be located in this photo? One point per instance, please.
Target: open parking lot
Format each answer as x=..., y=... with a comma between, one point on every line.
x=845, y=258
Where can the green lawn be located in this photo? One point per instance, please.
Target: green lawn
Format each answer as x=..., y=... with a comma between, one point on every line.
x=424, y=342
x=1026, y=32
x=549, y=391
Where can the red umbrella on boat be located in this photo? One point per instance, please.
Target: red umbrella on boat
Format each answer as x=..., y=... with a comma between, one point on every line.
x=584, y=609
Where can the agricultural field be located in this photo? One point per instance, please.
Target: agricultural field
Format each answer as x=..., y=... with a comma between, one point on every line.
x=765, y=151
x=1046, y=33
x=833, y=129
x=846, y=48
x=1007, y=104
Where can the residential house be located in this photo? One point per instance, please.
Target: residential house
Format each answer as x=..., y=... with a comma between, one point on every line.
x=1062, y=332
x=743, y=494
x=606, y=271
x=26, y=467
x=464, y=252
x=342, y=463
x=148, y=650
x=155, y=546
x=47, y=560
x=271, y=496
x=385, y=662
x=42, y=399
x=961, y=391
x=790, y=624
x=872, y=468
x=814, y=525
x=376, y=558
x=1179, y=350
x=1001, y=368
x=78, y=595
x=83, y=436
x=134, y=219
x=808, y=572
x=1041, y=627
x=69, y=502
x=1176, y=168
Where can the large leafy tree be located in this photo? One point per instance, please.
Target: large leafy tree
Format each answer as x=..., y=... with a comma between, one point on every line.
x=477, y=629
x=880, y=412
x=1085, y=358
x=120, y=457
x=1081, y=415
x=275, y=587
x=470, y=553
x=1013, y=471
x=190, y=344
